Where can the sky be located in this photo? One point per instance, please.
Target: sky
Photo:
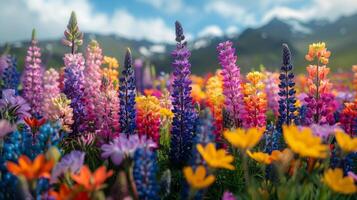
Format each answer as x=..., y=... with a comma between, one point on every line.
x=154, y=19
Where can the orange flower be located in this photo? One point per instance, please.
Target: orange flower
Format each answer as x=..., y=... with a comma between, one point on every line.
x=34, y=123
x=31, y=170
x=91, y=181
x=66, y=193
x=319, y=51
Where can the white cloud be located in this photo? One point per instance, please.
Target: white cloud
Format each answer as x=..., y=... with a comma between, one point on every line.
x=168, y=6
x=231, y=11
x=50, y=18
x=232, y=30
x=317, y=9
x=212, y=30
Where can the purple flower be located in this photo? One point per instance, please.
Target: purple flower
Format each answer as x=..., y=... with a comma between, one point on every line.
x=15, y=106
x=125, y=146
x=5, y=128
x=353, y=175
x=228, y=196
x=324, y=131
x=71, y=162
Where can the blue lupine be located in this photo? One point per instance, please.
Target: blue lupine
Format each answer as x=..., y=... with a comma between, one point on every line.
x=287, y=92
x=184, y=120
x=145, y=174
x=10, y=77
x=127, y=93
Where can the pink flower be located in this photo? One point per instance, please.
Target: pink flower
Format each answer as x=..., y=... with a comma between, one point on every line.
x=5, y=128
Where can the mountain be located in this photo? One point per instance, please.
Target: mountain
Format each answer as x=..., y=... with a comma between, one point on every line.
x=255, y=46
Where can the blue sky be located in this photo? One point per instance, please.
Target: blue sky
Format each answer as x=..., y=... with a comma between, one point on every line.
x=154, y=19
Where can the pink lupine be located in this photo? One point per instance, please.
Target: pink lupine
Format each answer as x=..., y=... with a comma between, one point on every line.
x=32, y=78
x=50, y=90
x=92, y=82
x=232, y=89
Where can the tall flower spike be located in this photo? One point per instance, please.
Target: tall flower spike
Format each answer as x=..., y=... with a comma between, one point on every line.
x=148, y=117
x=73, y=89
x=145, y=174
x=72, y=36
x=50, y=90
x=184, y=121
x=92, y=83
x=231, y=81
x=32, y=77
x=127, y=93
x=287, y=92
x=10, y=76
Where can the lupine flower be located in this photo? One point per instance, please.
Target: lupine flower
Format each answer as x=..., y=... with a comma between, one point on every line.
x=231, y=81
x=319, y=51
x=62, y=112
x=335, y=180
x=5, y=128
x=197, y=94
x=127, y=93
x=287, y=92
x=198, y=179
x=215, y=158
x=31, y=170
x=73, y=37
x=3, y=63
x=71, y=163
x=215, y=101
x=320, y=102
x=10, y=76
x=184, y=121
x=244, y=139
x=92, y=83
x=12, y=107
x=304, y=143
x=73, y=88
x=138, y=65
x=32, y=77
x=107, y=111
x=110, y=71
x=50, y=90
x=271, y=82
x=124, y=147
x=346, y=142
x=255, y=101
x=145, y=172
x=348, y=118
x=92, y=181
x=148, y=117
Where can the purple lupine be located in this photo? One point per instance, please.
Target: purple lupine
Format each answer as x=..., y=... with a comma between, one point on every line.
x=73, y=89
x=185, y=116
x=32, y=78
x=14, y=107
x=232, y=89
x=92, y=83
x=74, y=74
x=127, y=93
x=50, y=90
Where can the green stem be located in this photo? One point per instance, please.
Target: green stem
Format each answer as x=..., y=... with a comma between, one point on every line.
x=245, y=169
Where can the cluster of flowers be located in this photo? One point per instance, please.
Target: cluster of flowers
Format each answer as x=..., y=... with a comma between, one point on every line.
x=83, y=132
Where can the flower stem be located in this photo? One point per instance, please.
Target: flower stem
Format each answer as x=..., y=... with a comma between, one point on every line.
x=245, y=169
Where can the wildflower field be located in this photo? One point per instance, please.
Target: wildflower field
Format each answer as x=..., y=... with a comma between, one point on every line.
x=92, y=130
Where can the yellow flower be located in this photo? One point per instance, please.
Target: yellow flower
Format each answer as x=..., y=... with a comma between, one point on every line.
x=166, y=113
x=198, y=179
x=304, y=142
x=111, y=71
x=197, y=93
x=334, y=179
x=260, y=157
x=244, y=139
x=346, y=143
x=215, y=158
